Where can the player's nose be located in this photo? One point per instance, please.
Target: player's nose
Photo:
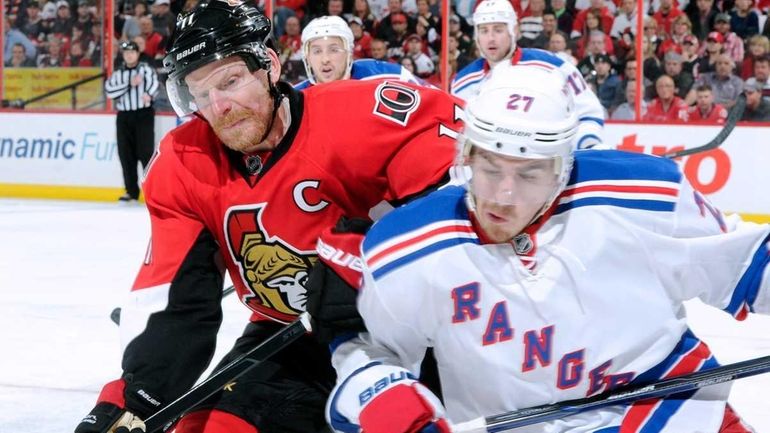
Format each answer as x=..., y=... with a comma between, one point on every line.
x=220, y=103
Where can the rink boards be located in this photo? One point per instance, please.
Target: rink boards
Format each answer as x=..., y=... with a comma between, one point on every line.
x=74, y=156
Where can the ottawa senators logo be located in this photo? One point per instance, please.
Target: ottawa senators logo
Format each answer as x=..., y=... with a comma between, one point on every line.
x=273, y=270
x=395, y=102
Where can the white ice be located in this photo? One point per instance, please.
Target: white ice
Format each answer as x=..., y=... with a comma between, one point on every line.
x=65, y=265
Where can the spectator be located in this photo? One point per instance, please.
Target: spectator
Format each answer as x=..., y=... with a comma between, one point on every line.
x=77, y=56
x=14, y=36
x=283, y=10
x=84, y=16
x=744, y=21
x=461, y=59
x=54, y=56
x=334, y=8
x=651, y=64
x=625, y=20
x=432, y=21
x=409, y=64
x=666, y=106
x=629, y=74
x=133, y=87
x=683, y=81
x=601, y=11
x=665, y=17
x=549, y=28
x=362, y=11
x=596, y=46
x=725, y=85
x=455, y=28
x=531, y=23
x=379, y=50
x=757, y=107
x=154, y=41
x=681, y=28
x=733, y=44
x=387, y=30
x=362, y=40
x=18, y=58
x=702, y=18
x=33, y=26
x=62, y=25
x=762, y=74
x=713, y=49
x=558, y=45
x=163, y=20
x=399, y=26
x=131, y=25
x=690, y=47
x=651, y=33
x=290, y=43
x=759, y=46
x=414, y=49
x=430, y=36
x=605, y=82
x=627, y=109
x=705, y=109
x=564, y=17
x=85, y=39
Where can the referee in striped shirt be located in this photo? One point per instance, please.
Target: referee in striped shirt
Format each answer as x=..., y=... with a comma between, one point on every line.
x=133, y=87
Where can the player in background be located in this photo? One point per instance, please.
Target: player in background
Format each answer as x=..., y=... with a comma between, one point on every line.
x=551, y=275
x=246, y=187
x=494, y=24
x=327, y=52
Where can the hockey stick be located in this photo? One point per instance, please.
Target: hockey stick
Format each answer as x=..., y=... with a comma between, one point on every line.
x=228, y=373
x=732, y=118
x=684, y=383
x=115, y=314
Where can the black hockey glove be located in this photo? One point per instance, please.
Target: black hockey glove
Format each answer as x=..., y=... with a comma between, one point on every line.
x=332, y=286
x=110, y=414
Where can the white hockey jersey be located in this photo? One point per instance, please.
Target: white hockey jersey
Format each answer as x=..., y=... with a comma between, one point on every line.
x=370, y=69
x=468, y=81
x=601, y=306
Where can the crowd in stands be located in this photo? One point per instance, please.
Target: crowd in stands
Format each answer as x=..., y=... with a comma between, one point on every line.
x=698, y=55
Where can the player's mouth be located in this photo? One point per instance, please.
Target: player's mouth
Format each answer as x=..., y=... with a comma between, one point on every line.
x=496, y=218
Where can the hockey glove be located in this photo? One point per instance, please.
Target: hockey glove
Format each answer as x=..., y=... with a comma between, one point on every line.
x=110, y=414
x=332, y=286
x=385, y=399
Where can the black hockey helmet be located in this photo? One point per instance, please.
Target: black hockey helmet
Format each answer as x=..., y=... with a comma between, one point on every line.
x=214, y=30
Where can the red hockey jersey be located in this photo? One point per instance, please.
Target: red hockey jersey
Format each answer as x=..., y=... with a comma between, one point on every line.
x=351, y=144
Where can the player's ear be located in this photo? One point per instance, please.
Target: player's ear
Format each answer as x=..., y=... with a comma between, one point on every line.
x=275, y=65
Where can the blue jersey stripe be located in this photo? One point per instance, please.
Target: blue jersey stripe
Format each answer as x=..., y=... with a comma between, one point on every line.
x=649, y=205
x=748, y=286
x=430, y=249
x=592, y=119
x=664, y=412
x=597, y=165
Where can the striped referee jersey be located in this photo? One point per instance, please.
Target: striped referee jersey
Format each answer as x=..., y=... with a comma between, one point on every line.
x=126, y=96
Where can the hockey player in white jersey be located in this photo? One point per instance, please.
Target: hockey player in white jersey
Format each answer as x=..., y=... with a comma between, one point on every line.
x=494, y=24
x=327, y=52
x=551, y=275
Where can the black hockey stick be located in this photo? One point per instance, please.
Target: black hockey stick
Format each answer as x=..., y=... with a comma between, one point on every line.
x=228, y=373
x=115, y=314
x=732, y=118
x=684, y=383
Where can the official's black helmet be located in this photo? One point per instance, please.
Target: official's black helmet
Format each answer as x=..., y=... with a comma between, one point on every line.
x=214, y=30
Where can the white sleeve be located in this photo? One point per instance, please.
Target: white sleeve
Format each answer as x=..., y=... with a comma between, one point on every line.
x=723, y=262
x=589, y=109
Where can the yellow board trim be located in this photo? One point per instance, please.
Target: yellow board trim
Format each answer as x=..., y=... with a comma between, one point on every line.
x=60, y=192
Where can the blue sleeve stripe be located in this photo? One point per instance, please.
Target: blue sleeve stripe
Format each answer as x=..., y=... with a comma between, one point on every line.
x=339, y=421
x=746, y=290
x=663, y=412
x=432, y=248
x=648, y=205
x=466, y=85
x=586, y=137
x=592, y=119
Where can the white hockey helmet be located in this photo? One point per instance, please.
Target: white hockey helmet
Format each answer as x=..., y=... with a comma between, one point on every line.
x=522, y=113
x=327, y=26
x=496, y=11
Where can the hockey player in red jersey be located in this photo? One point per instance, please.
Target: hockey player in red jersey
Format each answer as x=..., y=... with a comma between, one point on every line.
x=247, y=187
